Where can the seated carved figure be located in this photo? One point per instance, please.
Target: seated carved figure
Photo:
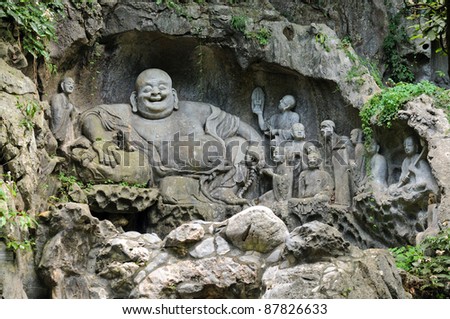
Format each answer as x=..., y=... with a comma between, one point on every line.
x=416, y=177
x=179, y=138
x=315, y=183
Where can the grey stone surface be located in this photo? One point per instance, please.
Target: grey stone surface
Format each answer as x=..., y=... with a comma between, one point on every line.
x=316, y=241
x=120, y=199
x=82, y=257
x=430, y=123
x=204, y=249
x=256, y=228
x=12, y=81
x=211, y=277
x=369, y=275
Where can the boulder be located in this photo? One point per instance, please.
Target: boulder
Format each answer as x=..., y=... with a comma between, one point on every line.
x=256, y=228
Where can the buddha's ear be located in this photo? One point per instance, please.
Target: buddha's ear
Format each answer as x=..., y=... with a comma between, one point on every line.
x=175, y=99
x=133, y=101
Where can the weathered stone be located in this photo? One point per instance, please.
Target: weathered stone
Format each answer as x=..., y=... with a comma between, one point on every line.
x=13, y=81
x=65, y=257
x=374, y=275
x=214, y=275
x=222, y=245
x=315, y=241
x=183, y=237
x=120, y=199
x=256, y=228
x=203, y=249
x=431, y=124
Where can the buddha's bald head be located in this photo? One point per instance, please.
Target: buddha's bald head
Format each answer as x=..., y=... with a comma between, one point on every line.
x=149, y=74
x=154, y=97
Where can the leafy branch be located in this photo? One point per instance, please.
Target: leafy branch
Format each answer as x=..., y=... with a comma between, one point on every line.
x=32, y=23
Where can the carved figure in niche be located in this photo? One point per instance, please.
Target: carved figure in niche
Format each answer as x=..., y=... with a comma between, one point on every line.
x=416, y=176
x=337, y=161
x=63, y=115
x=13, y=55
x=376, y=180
x=179, y=138
x=282, y=179
x=294, y=150
x=278, y=124
x=313, y=182
x=231, y=186
x=358, y=162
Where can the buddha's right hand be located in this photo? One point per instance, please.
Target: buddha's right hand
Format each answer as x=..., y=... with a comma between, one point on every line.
x=108, y=153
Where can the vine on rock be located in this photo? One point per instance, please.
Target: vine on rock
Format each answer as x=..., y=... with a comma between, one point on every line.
x=31, y=24
x=382, y=109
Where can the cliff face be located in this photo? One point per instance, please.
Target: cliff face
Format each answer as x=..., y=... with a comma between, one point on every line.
x=217, y=54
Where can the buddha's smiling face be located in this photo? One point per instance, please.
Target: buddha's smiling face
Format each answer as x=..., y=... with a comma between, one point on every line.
x=155, y=97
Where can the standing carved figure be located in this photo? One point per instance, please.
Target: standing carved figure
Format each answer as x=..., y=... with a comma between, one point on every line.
x=377, y=180
x=63, y=114
x=278, y=124
x=337, y=150
x=358, y=162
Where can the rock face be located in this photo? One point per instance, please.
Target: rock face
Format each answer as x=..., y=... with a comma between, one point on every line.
x=203, y=249
x=314, y=240
x=358, y=275
x=87, y=258
x=120, y=199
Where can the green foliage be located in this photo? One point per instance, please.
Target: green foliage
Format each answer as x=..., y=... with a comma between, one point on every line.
x=174, y=5
x=263, y=35
x=382, y=108
x=239, y=23
x=11, y=220
x=354, y=75
x=430, y=261
x=345, y=45
x=29, y=110
x=23, y=221
x=357, y=70
x=431, y=20
x=322, y=39
x=10, y=185
x=126, y=184
x=34, y=21
x=397, y=66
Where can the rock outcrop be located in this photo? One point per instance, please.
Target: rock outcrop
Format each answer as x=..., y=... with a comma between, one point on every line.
x=88, y=258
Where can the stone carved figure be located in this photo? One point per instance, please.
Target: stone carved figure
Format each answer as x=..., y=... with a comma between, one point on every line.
x=180, y=138
x=278, y=124
x=416, y=177
x=315, y=183
x=337, y=152
x=376, y=181
x=230, y=187
x=63, y=115
x=295, y=151
x=282, y=179
x=13, y=55
x=358, y=162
